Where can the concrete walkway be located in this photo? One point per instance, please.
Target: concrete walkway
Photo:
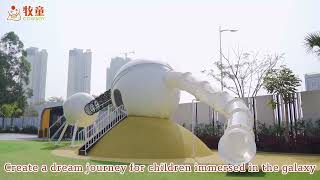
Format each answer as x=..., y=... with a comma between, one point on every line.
x=14, y=136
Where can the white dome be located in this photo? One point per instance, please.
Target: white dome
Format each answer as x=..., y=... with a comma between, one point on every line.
x=140, y=86
x=73, y=109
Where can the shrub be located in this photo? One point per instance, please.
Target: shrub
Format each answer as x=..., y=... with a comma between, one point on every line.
x=29, y=130
x=202, y=130
x=4, y=130
x=300, y=126
x=15, y=129
x=263, y=129
x=271, y=130
x=307, y=128
x=278, y=130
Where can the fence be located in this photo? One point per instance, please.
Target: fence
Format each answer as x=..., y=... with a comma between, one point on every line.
x=305, y=106
x=303, y=115
x=19, y=122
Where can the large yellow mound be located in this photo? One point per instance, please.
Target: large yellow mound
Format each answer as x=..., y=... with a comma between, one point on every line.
x=149, y=138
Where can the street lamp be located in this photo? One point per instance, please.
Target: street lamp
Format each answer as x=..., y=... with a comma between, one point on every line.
x=220, y=33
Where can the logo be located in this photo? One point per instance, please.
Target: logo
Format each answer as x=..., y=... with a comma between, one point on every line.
x=14, y=14
x=29, y=13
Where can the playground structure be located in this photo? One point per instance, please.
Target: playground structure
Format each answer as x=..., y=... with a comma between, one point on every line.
x=49, y=120
x=131, y=120
x=73, y=112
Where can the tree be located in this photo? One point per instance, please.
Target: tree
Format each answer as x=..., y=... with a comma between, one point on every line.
x=52, y=99
x=284, y=83
x=9, y=110
x=312, y=42
x=30, y=112
x=55, y=99
x=14, y=71
x=244, y=75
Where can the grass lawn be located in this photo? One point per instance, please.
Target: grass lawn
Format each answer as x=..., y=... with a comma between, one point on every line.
x=37, y=152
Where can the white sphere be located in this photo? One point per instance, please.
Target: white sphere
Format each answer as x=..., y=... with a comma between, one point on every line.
x=140, y=86
x=73, y=109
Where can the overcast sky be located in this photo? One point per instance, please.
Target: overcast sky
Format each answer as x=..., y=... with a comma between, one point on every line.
x=182, y=33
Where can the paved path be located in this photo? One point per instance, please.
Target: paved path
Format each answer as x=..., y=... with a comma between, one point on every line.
x=14, y=136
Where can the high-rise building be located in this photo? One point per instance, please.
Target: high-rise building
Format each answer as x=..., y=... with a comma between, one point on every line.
x=115, y=64
x=79, y=71
x=312, y=81
x=37, y=76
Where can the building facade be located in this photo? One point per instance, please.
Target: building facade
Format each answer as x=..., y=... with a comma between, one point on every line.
x=38, y=74
x=115, y=64
x=312, y=81
x=79, y=71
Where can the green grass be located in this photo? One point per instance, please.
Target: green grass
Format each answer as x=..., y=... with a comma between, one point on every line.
x=37, y=152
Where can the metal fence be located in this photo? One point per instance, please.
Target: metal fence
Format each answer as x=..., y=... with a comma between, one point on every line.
x=305, y=106
x=19, y=122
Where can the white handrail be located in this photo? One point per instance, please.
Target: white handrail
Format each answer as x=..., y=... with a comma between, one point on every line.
x=101, y=115
x=59, y=119
x=103, y=125
x=62, y=125
x=80, y=135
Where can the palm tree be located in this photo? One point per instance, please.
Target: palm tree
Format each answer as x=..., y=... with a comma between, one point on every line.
x=312, y=41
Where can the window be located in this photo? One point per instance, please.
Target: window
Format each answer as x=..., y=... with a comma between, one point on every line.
x=117, y=97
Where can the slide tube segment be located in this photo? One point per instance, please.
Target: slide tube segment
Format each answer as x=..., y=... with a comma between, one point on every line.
x=237, y=145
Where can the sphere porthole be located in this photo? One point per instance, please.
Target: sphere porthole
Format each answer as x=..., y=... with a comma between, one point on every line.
x=117, y=97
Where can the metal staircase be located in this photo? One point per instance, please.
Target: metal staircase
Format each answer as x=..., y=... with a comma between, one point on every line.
x=109, y=116
x=100, y=127
x=103, y=114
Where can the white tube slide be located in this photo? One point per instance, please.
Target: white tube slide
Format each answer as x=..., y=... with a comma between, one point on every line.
x=237, y=145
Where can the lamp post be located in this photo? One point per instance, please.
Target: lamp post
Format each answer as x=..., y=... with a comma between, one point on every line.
x=220, y=33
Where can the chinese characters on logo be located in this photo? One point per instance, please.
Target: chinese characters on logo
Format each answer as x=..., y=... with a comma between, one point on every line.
x=36, y=13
